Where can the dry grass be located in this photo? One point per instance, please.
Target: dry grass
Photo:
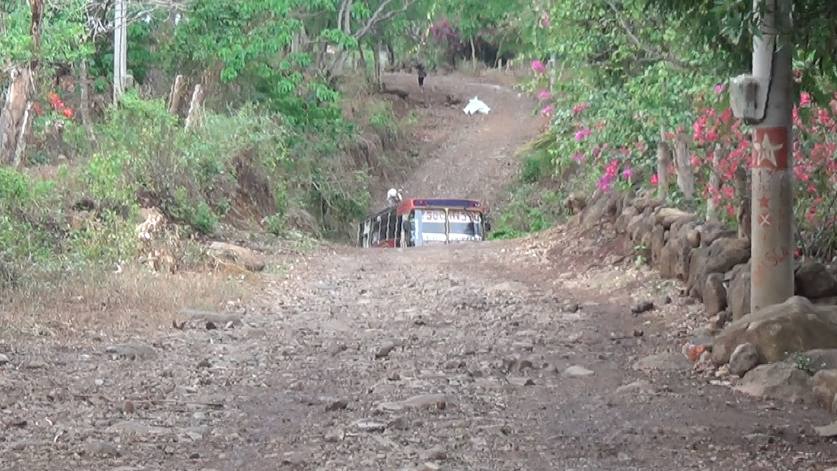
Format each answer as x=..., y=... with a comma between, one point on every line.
x=133, y=300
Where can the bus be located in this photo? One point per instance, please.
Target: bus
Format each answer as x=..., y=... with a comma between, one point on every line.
x=417, y=222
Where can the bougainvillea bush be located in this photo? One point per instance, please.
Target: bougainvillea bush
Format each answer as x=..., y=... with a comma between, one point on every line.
x=623, y=85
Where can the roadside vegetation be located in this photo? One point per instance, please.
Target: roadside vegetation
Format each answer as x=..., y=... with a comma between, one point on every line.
x=621, y=82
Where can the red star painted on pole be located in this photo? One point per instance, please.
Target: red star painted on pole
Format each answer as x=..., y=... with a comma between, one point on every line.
x=764, y=202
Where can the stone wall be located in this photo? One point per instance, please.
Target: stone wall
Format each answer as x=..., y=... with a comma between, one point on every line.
x=708, y=257
x=794, y=342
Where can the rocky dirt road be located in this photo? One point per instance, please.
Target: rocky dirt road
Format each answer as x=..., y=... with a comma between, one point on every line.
x=514, y=355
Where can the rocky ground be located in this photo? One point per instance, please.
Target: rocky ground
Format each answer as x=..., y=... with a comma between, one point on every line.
x=555, y=352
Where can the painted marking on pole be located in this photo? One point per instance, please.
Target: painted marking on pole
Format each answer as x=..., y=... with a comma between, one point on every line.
x=764, y=202
x=764, y=219
x=778, y=255
x=770, y=148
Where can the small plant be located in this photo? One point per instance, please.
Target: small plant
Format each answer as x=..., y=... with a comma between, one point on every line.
x=641, y=251
x=804, y=363
x=275, y=224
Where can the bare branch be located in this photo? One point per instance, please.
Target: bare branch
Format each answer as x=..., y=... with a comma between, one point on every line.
x=379, y=16
x=655, y=54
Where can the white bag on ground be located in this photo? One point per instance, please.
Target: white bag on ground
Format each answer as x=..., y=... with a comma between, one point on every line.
x=475, y=105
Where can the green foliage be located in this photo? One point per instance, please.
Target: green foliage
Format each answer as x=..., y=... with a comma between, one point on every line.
x=191, y=175
x=532, y=208
x=537, y=166
x=63, y=33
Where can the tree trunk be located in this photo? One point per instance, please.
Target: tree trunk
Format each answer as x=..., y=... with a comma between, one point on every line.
x=377, y=62
x=390, y=56
x=663, y=161
x=193, y=118
x=714, y=186
x=473, y=54
x=14, y=109
x=21, y=138
x=362, y=62
x=685, y=177
x=84, y=101
x=176, y=93
x=772, y=275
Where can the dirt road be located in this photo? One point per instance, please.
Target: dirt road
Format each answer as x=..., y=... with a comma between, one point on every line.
x=514, y=355
x=466, y=156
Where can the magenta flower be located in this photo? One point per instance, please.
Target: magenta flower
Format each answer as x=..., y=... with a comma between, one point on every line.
x=719, y=88
x=582, y=134
x=627, y=173
x=604, y=183
x=548, y=110
x=538, y=67
x=655, y=180
x=544, y=95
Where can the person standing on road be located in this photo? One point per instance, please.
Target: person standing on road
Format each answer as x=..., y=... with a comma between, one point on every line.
x=421, y=74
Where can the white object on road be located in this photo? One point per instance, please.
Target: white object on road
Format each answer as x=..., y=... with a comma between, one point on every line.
x=475, y=105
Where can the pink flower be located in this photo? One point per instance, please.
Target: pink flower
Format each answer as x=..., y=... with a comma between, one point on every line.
x=537, y=66
x=712, y=135
x=730, y=210
x=719, y=88
x=545, y=20
x=726, y=116
x=695, y=161
x=655, y=180
x=804, y=99
x=578, y=157
x=604, y=182
x=582, y=134
x=544, y=95
x=627, y=173
x=548, y=110
x=580, y=107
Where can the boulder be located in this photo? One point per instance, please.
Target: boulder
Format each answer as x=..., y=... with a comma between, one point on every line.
x=712, y=231
x=622, y=221
x=668, y=216
x=738, y=295
x=822, y=359
x=604, y=206
x=640, y=225
x=779, y=330
x=744, y=358
x=693, y=236
x=227, y=255
x=825, y=388
x=781, y=381
x=719, y=257
x=644, y=202
x=658, y=241
x=813, y=280
x=714, y=294
x=677, y=252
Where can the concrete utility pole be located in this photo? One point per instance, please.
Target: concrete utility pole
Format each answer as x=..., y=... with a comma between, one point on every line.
x=120, y=49
x=772, y=192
